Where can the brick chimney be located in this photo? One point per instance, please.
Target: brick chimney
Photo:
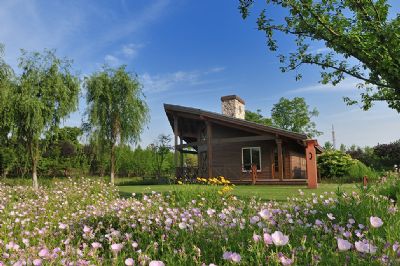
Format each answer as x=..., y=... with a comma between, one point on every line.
x=233, y=106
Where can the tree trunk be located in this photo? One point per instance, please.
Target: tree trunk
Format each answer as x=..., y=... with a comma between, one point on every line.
x=33, y=148
x=112, y=163
x=34, y=174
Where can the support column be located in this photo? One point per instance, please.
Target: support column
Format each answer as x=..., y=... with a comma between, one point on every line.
x=209, y=149
x=176, y=144
x=311, y=162
x=181, y=153
x=280, y=158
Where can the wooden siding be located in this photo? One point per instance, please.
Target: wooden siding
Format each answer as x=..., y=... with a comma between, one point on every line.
x=227, y=159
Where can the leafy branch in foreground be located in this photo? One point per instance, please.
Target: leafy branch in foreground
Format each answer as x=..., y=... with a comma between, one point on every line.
x=362, y=37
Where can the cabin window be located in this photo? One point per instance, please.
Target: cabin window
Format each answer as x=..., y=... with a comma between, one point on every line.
x=251, y=155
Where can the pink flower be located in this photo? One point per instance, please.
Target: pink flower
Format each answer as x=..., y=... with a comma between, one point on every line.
x=265, y=214
x=285, y=261
x=231, y=256
x=116, y=247
x=256, y=238
x=375, y=221
x=96, y=245
x=268, y=239
x=37, y=262
x=343, y=244
x=87, y=229
x=279, y=238
x=129, y=262
x=43, y=253
x=254, y=219
x=227, y=255
x=235, y=257
x=365, y=247
x=156, y=263
x=62, y=226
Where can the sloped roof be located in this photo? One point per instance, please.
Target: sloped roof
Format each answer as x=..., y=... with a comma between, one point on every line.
x=169, y=108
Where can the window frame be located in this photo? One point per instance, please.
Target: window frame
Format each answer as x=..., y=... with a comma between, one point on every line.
x=251, y=158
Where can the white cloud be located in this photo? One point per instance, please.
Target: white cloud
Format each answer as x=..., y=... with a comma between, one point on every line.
x=111, y=60
x=67, y=27
x=346, y=85
x=164, y=82
x=131, y=50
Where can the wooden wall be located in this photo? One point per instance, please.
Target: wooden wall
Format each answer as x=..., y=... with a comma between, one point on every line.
x=227, y=159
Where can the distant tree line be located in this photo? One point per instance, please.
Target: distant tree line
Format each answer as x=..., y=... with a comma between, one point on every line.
x=381, y=157
x=43, y=92
x=288, y=114
x=63, y=155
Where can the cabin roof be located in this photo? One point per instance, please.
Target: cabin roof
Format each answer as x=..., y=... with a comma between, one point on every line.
x=169, y=108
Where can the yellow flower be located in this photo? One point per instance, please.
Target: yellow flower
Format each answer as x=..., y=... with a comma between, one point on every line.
x=180, y=182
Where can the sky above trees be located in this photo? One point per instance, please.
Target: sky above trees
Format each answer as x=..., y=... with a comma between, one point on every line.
x=189, y=53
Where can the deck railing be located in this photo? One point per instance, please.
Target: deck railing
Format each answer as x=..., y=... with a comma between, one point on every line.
x=187, y=174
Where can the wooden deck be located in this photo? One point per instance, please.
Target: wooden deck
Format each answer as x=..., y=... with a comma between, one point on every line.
x=271, y=182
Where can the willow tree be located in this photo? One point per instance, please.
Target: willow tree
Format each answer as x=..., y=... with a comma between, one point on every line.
x=46, y=92
x=116, y=110
x=6, y=82
x=362, y=38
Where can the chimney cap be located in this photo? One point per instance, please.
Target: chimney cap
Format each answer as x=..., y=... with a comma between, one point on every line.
x=232, y=97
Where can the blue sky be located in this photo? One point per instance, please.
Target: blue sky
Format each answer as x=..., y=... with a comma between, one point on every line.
x=188, y=53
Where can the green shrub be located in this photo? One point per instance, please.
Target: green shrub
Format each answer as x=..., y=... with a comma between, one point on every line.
x=334, y=164
x=358, y=170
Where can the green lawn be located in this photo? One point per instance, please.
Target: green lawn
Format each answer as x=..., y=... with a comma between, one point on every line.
x=266, y=192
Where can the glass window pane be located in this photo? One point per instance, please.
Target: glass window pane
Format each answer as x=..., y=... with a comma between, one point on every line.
x=256, y=157
x=246, y=159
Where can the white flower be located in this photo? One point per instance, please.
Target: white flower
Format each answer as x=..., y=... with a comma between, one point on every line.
x=330, y=216
x=375, y=221
x=279, y=238
x=343, y=244
x=156, y=263
x=365, y=247
x=182, y=225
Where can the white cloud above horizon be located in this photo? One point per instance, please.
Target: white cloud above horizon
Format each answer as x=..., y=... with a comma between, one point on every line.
x=349, y=84
x=164, y=82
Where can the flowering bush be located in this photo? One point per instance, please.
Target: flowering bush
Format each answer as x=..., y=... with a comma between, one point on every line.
x=85, y=222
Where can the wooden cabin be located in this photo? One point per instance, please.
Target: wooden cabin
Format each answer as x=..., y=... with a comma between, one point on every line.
x=228, y=145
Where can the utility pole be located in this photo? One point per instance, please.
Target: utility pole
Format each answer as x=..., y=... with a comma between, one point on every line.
x=333, y=138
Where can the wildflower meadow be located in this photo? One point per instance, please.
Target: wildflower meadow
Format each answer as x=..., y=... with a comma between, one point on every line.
x=86, y=222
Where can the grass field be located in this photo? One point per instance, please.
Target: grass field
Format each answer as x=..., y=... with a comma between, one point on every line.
x=265, y=192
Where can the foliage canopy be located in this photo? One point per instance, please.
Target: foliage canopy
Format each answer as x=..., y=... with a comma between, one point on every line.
x=45, y=93
x=294, y=115
x=363, y=39
x=116, y=111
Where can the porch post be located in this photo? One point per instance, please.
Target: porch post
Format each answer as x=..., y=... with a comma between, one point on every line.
x=280, y=158
x=209, y=149
x=176, y=144
x=181, y=153
x=311, y=162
